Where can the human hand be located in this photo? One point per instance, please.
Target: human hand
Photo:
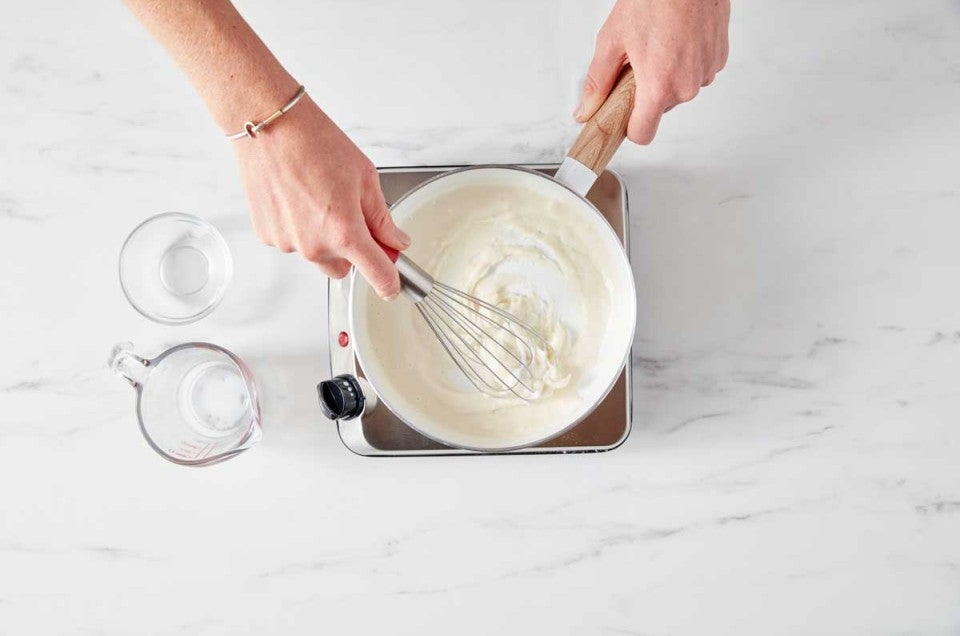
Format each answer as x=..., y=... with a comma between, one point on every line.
x=674, y=46
x=311, y=190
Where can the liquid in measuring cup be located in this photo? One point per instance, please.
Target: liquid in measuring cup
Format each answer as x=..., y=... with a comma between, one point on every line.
x=214, y=401
x=215, y=405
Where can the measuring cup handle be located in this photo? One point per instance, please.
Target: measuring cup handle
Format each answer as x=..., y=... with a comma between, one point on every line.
x=128, y=365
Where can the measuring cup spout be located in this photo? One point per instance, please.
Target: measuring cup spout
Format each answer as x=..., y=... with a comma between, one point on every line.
x=128, y=365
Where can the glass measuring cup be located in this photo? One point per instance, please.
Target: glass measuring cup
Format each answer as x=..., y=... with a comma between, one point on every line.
x=197, y=403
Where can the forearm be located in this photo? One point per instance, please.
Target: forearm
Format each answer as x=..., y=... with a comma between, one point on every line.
x=232, y=69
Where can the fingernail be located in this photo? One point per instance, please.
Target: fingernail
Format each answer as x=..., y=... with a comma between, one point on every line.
x=579, y=112
x=404, y=237
x=391, y=297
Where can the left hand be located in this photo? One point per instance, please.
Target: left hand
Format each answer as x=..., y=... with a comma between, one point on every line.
x=674, y=46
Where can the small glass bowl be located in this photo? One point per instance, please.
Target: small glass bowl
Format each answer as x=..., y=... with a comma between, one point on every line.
x=175, y=268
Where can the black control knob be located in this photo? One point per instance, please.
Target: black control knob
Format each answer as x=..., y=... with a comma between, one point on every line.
x=341, y=398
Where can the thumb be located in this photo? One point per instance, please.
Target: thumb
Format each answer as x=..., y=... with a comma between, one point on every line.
x=608, y=58
x=380, y=223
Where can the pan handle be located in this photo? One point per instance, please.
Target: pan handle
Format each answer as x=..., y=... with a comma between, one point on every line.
x=605, y=131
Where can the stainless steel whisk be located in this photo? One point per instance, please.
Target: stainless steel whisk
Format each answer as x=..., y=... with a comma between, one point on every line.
x=493, y=348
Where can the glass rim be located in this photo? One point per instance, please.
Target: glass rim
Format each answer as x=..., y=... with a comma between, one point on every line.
x=217, y=297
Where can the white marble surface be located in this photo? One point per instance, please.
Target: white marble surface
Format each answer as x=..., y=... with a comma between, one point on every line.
x=795, y=461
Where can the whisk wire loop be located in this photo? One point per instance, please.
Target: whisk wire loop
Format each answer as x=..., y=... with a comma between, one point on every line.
x=492, y=308
x=459, y=326
x=491, y=347
x=451, y=350
x=527, y=350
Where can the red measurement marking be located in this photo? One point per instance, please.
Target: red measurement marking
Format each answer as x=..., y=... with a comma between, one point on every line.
x=343, y=339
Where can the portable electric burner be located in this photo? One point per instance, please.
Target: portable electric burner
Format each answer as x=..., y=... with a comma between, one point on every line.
x=376, y=431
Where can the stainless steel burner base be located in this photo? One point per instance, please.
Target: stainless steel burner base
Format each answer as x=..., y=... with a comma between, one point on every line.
x=381, y=433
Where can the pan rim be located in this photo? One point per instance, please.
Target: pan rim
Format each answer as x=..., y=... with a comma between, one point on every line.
x=626, y=268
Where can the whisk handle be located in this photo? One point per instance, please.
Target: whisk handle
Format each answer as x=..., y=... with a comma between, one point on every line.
x=415, y=283
x=391, y=253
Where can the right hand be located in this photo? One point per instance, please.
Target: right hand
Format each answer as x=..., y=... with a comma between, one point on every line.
x=311, y=190
x=675, y=48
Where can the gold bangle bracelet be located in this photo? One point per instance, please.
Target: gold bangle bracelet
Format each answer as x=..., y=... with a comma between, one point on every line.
x=251, y=128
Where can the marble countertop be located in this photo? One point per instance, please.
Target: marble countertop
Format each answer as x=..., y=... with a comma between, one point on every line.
x=794, y=465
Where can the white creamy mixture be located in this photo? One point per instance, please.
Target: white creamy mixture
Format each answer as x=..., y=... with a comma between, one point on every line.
x=519, y=250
